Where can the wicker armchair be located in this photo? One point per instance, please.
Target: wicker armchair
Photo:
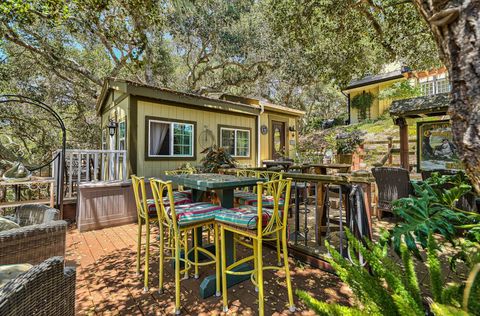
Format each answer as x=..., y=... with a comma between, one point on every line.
x=45, y=289
x=41, y=236
x=392, y=184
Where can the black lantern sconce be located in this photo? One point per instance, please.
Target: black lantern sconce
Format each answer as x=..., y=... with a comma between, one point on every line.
x=292, y=129
x=112, y=126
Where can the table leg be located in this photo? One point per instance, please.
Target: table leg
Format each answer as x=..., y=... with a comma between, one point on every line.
x=196, y=195
x=226, y=197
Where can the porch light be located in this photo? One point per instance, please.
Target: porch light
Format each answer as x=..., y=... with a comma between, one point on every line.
x=112, y=126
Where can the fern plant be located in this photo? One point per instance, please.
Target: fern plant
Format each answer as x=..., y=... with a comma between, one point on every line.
x=422, y=215
x=389, y=288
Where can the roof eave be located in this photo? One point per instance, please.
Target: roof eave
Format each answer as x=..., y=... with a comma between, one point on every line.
x=368, y=83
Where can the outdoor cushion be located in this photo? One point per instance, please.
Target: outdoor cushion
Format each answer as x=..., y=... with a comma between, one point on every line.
x=245, y=217
x=6, y=224
x=178, y=200
x=195, y=212
x=185, y=193
x=11, y=271
x=250, y=198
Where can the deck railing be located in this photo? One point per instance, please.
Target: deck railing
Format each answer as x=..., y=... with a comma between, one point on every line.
x=322, y=207
x=92, y=166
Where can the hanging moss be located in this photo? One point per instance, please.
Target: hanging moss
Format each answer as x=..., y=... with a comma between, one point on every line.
x=362, y=102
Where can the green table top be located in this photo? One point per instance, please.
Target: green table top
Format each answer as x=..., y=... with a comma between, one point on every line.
x=212, y=181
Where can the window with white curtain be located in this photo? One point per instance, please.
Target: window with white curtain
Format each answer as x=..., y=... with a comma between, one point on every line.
x=236, y=141
x=170, y=139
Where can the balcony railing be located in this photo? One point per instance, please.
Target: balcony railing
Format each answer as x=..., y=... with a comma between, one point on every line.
x=92, y=166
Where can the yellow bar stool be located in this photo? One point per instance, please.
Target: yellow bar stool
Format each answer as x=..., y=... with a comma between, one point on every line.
x=258, y=225
x=178, y=221
x=249, y=200
x=144, y=217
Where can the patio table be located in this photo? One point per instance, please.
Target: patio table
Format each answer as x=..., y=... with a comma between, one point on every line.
x=224, y=186
x=321, y=168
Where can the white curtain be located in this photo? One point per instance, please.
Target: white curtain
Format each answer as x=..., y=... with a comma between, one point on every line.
x=158, y=132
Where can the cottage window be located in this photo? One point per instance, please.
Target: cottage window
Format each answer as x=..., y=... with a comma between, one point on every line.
x=122, y=131
x=236, y=141
x=434, y=85
x=170, y=139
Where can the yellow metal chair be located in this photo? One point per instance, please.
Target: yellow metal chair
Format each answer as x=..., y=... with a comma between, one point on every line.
x=176, y=221
x=258, y=226
x=250, y=200
x=180, y=188
x=144, y=217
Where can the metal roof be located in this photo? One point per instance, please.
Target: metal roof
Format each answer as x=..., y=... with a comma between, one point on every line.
x=421, y=106
x=368, y=80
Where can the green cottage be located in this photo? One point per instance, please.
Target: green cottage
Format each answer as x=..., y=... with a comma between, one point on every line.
x=161, y=129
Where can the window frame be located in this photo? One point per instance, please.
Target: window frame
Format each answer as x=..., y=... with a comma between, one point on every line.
x=171, y=122
x=236, y=129
x=124, y=138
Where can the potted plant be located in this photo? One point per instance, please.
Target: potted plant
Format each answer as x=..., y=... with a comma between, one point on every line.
x=216, y=158
x=346, y=144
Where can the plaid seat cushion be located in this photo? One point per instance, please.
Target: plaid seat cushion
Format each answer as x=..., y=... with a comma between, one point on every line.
x=178, y=200
x=245, y=216
x=196, y=212
x=249, y=198
x=184, y=193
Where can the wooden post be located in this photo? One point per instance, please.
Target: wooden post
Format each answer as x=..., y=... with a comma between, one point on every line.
x=402, y=123
x=389, y=150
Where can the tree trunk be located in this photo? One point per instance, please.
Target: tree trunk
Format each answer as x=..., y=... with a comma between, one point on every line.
x=456, y=29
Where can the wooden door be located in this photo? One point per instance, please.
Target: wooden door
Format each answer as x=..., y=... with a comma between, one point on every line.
x=278, y=140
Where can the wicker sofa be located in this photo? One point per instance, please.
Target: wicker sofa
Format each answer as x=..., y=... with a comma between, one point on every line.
x=40, y=236
x=45, y=289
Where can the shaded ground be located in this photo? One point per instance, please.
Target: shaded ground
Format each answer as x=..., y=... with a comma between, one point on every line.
x=107, y=283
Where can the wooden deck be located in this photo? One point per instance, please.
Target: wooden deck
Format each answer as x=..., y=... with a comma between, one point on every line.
x=107, y=283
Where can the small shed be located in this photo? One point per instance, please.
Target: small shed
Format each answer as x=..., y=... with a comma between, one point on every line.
x=419, y=107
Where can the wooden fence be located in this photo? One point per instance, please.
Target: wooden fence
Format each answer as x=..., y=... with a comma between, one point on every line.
x=385, y=152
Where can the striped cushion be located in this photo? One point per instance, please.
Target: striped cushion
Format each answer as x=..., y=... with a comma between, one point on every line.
x=184, y=193
x=196, y=212
x=178, y=200
x=245, y=217
x=249, y=198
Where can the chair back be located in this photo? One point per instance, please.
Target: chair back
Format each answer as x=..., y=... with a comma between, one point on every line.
x=166, y=216
x=443, y=172
x=180, y=172
x=392, y=184
x=138, y=184
x=247, y=173
x=269, y=176
x=278, y=218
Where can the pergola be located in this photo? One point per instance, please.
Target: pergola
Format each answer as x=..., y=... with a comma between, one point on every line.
x=419, y=107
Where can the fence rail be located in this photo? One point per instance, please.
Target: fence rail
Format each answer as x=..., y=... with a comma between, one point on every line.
x=83, y=166
x=386, y=152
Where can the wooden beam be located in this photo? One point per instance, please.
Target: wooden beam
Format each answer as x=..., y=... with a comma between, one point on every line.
x=404, y=154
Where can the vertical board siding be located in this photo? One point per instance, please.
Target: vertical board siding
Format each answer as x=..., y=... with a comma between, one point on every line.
x=201, y=117
x=105, y=205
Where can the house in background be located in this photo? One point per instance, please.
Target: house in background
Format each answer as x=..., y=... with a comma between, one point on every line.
x=431, y=83
x=161, y=129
